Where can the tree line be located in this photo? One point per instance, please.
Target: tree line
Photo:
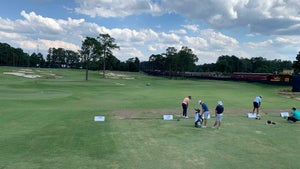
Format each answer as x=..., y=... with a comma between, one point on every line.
x=96, y=54
x=170, y=61
x=184, y=60
x=229, y=64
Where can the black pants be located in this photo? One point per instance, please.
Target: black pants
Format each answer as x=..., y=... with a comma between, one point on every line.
x=184, y=109
x=291, y=118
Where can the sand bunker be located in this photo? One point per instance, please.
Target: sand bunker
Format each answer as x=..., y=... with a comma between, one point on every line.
x=117, y=76
x=29, y=73
x=22, y=74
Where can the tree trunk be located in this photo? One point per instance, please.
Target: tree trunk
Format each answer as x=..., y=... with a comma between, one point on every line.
x=104, y=57
x=87, y=71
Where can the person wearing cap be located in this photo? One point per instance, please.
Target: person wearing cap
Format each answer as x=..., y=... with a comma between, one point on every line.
x=256, y=105
x=205, y=113
x=185, y=105
x=218, y=114
x=295, y=115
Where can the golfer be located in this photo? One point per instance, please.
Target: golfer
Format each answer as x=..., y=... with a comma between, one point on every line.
x=256, y=105
x=205, y=113
x=295, y=115
x=185, y=105
x=218, y=114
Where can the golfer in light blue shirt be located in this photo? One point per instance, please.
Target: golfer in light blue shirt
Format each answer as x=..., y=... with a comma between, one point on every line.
x=256, y=105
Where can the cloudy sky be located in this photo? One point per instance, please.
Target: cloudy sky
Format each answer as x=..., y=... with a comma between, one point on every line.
x=211, y=28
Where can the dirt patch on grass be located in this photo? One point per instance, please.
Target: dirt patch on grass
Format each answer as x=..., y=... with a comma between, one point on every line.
x=177, y=113
x=139, y=114
x=289, y=93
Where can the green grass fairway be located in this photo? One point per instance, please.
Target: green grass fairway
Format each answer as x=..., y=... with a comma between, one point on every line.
x=48, y=123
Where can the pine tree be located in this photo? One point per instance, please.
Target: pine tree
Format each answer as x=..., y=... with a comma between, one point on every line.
x=296, y=64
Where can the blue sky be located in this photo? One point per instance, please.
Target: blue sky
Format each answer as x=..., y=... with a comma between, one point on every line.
x=211, y=28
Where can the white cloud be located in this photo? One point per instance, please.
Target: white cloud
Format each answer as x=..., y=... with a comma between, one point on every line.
x=42, y=45
x=207, y=56
x=218, y=39
x=4, y=36
x=263, y=44
x=59, y=44
x=130, y=52
x=42, y=22
x=196, y=42
x=152, y=49
x=280, y=47
x=117, y=8
x=272, y=16
x=292, y=40
x=260, y=16
x=180, y=31
x=127, y=35
x=169, y=38
x=35, y=31
x=6, y=25
x=266, y=17
x=29, y=45
x=193, y=28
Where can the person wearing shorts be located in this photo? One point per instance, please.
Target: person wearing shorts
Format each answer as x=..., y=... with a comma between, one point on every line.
x=256, y=105
x=185, y=104
x=205, y=113
x=218, y=114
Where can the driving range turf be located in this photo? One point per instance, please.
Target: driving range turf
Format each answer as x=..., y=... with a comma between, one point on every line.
x=48, y=122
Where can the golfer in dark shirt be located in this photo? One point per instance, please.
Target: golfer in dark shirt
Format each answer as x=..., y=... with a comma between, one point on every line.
x=218, y=114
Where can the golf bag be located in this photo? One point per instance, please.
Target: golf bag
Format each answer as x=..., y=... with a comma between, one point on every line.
x=198, y=118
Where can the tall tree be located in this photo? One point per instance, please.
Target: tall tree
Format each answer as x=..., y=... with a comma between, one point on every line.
x=107, y=45
x=296, y=64
x=111, y=62
x=228, y=64
x=72, y=58
x=36, y=60
x=186, y=59
x=133, y=64
x=55, y=57
x=171, y=55
x=157, y=62
x=260, y=65
x=13, y=56
x=88, y=48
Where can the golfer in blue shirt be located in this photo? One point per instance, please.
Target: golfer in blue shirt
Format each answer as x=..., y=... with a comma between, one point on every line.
x=205, y=113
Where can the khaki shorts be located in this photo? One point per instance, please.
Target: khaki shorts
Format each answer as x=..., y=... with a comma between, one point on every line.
x=219, y=117
x=206, y=114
